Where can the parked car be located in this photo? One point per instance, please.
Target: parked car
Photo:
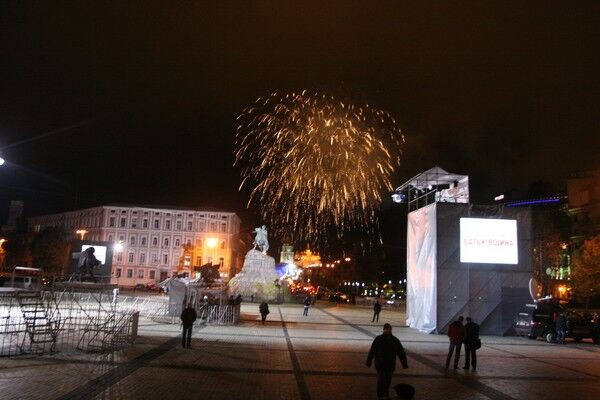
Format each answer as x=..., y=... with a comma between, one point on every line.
x=538, y=320
x=148, y=287
x=338, y=297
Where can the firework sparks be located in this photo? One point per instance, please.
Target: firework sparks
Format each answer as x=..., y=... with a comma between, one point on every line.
x=316, y=162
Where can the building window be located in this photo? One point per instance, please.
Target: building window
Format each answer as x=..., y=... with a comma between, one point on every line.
x=154, y=241
x=166, y=242
x=142, y=258
x=119, y=257
x=123, y=222
x=144, y=240
x=168, y=224
x=178, y=225
x=165, y=259
x=152, y=274
x=111, y=222
x=222, y=244
x=223, y=227
x=177, y=242
x=110, y=238
x=154, y=258
x=156, y=223
x=140, y=274
x=213, y=226
x=134, y=222
x=130, y=258
x=188, y=242
x=201, y=226
x=221, y=261
x=145, y=223
x=132, y=240
x=121, y=238
x=198, y=261
x=130, y=273
x=118, y=273
x=189, y=225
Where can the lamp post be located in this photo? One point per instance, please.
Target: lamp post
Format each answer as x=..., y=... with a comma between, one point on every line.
x=2, y=252
x=81, y=232
x=118, y=247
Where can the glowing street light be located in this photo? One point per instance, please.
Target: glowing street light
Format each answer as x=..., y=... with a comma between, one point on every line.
x=212, y=242
x=1, y=161
x=118, y=247
x=81, y=232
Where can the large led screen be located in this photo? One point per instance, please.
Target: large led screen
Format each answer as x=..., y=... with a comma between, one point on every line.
x=490, y=241
x=99, y=252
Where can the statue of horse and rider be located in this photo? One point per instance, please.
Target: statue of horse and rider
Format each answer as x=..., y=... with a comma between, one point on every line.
x=260, y=241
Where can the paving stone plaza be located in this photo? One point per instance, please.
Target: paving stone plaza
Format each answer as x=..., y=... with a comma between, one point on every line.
x=321, y=356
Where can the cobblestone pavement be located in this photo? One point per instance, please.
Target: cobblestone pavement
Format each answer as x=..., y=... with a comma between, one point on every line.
x=320, y=356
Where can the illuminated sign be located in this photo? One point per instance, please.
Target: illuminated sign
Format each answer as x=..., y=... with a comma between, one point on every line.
x=491, y=241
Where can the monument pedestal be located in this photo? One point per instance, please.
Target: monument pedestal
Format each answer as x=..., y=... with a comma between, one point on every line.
x=256, y=278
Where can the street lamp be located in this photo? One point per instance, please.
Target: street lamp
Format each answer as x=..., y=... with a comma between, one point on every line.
x=2, y=241
x=81, y=232
x=1, y=161
x=118, y=247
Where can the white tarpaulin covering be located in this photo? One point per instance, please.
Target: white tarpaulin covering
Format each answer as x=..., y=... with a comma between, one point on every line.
x=421, y=269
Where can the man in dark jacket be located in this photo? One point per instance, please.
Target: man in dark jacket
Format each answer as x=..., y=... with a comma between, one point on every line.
x=385, y=348
x=471, y=342
x=188, y=316
x=456, y=334
x=561, y=328
x=307, y=303
x=264, y=311
x=376, y=311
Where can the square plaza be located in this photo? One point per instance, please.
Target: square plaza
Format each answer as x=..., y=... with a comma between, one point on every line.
x=320, y=356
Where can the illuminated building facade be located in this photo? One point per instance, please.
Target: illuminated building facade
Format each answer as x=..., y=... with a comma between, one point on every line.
x=153, y=243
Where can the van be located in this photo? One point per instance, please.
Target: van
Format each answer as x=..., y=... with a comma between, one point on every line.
x=538, y=320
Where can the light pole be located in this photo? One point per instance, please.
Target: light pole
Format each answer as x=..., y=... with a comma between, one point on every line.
x=2, y=252
x=81, y=232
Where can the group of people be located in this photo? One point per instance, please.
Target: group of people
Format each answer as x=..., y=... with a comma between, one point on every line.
x=467, y=334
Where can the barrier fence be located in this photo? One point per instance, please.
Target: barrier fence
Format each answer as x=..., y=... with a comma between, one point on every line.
x=46, y=322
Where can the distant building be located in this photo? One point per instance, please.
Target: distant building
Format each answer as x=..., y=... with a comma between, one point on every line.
x=584, y=205
x=156, y=242
x=287, y=254
x=15, y=212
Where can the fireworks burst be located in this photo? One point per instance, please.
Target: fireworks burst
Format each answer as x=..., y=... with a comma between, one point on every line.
x=316, y=162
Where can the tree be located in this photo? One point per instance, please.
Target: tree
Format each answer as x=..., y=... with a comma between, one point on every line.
x=50, y=250
x=586, y=271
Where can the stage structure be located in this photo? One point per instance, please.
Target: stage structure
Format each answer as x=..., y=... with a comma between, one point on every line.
x=464, y=259
x=431, y=186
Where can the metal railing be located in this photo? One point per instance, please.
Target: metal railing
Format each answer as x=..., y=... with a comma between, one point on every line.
x=78, y=321
x=163, y=310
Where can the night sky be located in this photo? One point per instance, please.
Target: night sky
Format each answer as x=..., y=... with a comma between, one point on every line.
x=140, y=101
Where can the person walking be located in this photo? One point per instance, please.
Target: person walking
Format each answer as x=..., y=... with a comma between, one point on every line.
x=307, y=303
x=264, y=311
x=472, y=343
x=188, y=316
x=561, y=328
x=456, y=333
x=376, y=311
x=384, y=349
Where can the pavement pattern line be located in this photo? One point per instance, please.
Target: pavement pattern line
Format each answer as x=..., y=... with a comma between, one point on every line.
x=302, y=387
x=271, y=371
x=545, y=362
x=98, y=385
x=480, y=387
